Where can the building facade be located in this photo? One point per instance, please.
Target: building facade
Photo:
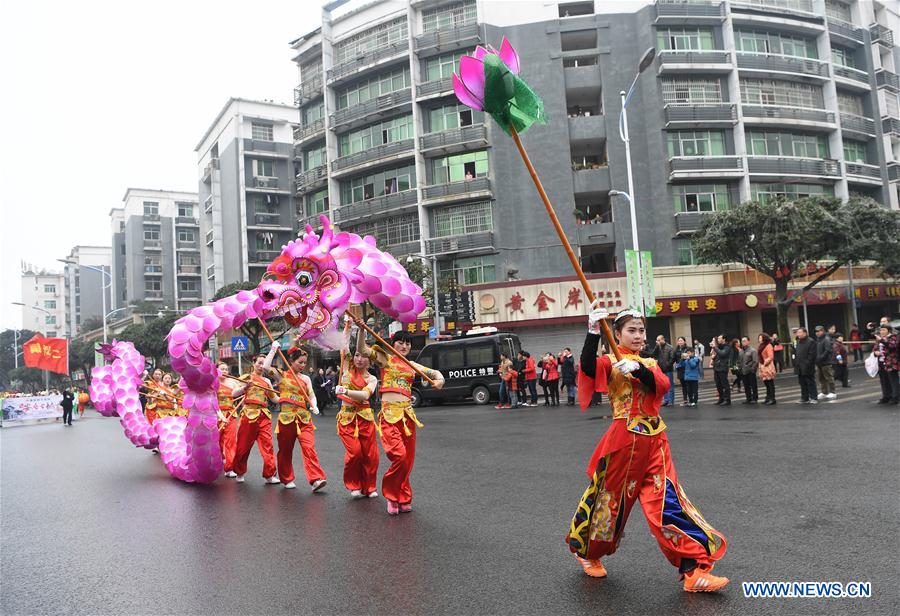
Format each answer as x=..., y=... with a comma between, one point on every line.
x=156, y=250
x=246, y=172
x=44, y=292
x=745, y=100
x=84, y=286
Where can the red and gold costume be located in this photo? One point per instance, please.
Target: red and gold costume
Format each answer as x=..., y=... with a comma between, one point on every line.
x=168, y=402
x=632, y=462
x=295, y=424
x=398, y=423
x=356, y=427
x=255, y=426
x=228, y=428
x=150, y=403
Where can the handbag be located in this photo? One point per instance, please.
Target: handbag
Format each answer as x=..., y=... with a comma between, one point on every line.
x=872, y=365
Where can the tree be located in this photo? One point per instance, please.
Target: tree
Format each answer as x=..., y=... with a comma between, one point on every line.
x=81, y=357
x=810, y=238
x=149, y=338
x=90, y=324
x=7, y=357
x=251, y=327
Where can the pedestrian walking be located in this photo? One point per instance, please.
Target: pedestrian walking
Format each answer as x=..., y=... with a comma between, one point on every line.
x=749, y=364
x=805, y=366
x=567, y=374
x=721, y=363
x=68, y=399
x=766, y=371
x=825, y=364
x=841, y=357
x=887, y=350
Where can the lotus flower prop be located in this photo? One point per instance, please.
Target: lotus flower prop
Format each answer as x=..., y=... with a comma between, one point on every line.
x=488, y=81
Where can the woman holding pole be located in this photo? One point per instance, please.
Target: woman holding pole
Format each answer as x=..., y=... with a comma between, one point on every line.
x=255, y=425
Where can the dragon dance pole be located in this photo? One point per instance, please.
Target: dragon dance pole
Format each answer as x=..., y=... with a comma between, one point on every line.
x=391, y=350
x=284, y=359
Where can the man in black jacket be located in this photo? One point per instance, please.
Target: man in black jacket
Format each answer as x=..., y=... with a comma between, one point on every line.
x=805, y=366
x=664, y=355
x=721, y=365
x=825, y=363
x=67, y=399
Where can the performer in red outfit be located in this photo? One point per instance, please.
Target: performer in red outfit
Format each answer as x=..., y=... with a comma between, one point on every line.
x=398, y=420
x=356, y=424
x=255, y=425
x=632, y=462
x=295, y=422
x=228, y=419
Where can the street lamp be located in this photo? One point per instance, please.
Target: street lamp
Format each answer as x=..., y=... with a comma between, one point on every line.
x=102, y=290
x=35, y=307
x=434, y=274
x=646, y=61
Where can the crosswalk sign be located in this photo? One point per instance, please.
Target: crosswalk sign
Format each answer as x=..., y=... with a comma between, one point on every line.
x=239, y=344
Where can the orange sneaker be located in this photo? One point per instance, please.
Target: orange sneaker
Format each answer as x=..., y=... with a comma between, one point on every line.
x=703, y=581
x=593, y=568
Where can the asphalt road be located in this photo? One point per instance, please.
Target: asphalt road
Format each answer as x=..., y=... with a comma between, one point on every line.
x=91, y=525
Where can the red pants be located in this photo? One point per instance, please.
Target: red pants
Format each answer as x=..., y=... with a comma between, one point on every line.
x=228, y=442
x=151, y=416
x=401, y=451
x=249, y=432
x=642, y=470
x=361, y=459
x=287, y=435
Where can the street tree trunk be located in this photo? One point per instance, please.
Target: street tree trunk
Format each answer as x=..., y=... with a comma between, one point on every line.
x=781, y=310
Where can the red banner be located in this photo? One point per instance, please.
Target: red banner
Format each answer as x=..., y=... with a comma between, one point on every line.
x=47, y=354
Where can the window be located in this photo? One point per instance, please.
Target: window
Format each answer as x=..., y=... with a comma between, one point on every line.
x=187, y=286
x=152, y=264
x=696, y=143
x=311, y=70
x=50, y=319
x=442, y=66
x=764, y=192
x=765, y=143
x=363, y=139
x=850, y=104
x=855, y=151
x=378, y=184
x=781, y=93
x=189, y=263
x=313, y=113
x=843, y=57
x=209, y=237
x=50, y=288
x=380, y=37
x=50, y=304
x=315, y=157
x=264, y=168
x=453, y=116
x=262, y=132
x=754, y=41
x=264, y=204
x=691, y=91
x=186, y=210
x=834, y=9
x=153, y=285
x=685, y=39
x=463, y=219
x=317, y=203
x=469, y=270
x=890, y=106
x=452, y=16
x=481, y=354
x=265, y=241
x=151, y=208
x=460, y=167
x=360, y=92
x=701, y=198
x=391, y=231
x=151, y=233
x=684, y=252
x=186, y=236
x=51, y=333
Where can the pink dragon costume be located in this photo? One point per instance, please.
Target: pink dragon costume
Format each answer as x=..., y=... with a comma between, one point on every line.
x=311, y=284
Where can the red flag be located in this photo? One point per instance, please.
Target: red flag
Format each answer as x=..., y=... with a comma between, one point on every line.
x=47, y=354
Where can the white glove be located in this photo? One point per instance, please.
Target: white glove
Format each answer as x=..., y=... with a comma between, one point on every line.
x=315, y=410
x=596, y=315
x=626, y=366
x=340, y=390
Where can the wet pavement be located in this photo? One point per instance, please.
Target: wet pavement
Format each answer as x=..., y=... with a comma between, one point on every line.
x=91, y=525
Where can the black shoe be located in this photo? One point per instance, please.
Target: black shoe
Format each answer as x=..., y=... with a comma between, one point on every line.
x=728, y=403
x=883, y=401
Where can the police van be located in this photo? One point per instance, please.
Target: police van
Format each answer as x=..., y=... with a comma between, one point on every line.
x=469, y=364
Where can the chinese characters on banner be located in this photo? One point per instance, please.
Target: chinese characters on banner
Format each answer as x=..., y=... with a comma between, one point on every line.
x=47, y=354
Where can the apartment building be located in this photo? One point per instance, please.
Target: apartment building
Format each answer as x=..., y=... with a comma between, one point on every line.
x=87, y=277
x=44, y=299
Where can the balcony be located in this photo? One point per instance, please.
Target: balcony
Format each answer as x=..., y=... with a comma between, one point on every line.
x=267, y=219
x=264, y=183
x=435, y=87
x=791, y=116
x=182, y=245
x=208, y=204
x=454, y=140
x=688, y=223
x=207, y=171
x=881, y=35
x=845, y=30
x=701, y=167
x=781, y=166
x=380, y=153
x=448, y=39
x=151, y=217
x=481, y=242
x=887, y=79
x=583, y=79
x=394, y=203
x=372, y=109
x=261, y=146
x=677, y=11
x=188, y=221
x=777, y=8
x=594, y=180
x=862, y=173
x=153, y=294
x=312, y=220
x=308, y=131
x=478, y=188
x=191, y=294
x=262, y=257
x=587, y=129
x=852, y=77
x=367, y=60
x=891, y=126
x=893, y=171
x=404, y=248
x=687, y=115
x=596, y=234
x=857, y=124
x=714, y=61
x=308, y=90
x=771, y=63
x=310, y=180
x=188, y=270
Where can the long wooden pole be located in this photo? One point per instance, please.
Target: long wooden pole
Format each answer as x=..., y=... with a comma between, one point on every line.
x=285, y=360
x=607, y=332
x=390, y=349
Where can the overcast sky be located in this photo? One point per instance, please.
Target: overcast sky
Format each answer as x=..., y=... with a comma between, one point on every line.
x=100, y=96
